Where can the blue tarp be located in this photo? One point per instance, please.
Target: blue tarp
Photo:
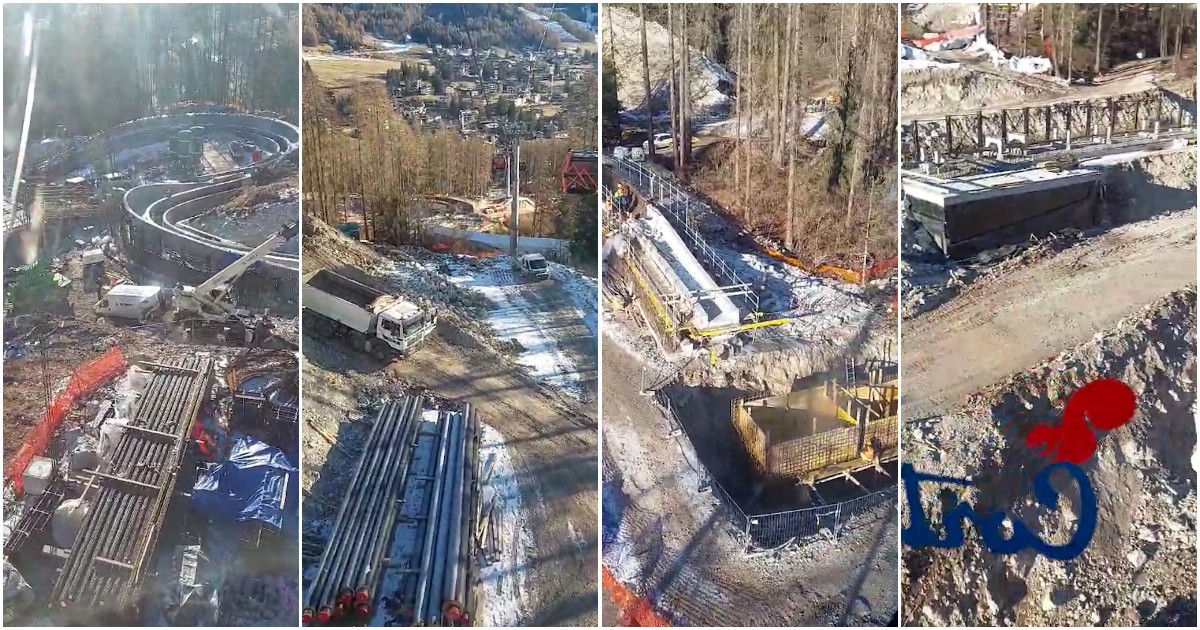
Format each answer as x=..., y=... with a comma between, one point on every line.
x=256, y=483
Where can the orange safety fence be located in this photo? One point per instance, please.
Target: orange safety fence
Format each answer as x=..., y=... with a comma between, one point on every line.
x=838, y=273
x=85, y=380
x=636, y=612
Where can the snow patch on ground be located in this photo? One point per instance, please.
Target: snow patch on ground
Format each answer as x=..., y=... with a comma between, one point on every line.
x=513, y=318
x=504, y=591
x=584, y=292
x=820, y=309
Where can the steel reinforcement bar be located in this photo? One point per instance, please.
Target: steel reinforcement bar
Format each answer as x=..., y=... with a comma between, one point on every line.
x=130, y=495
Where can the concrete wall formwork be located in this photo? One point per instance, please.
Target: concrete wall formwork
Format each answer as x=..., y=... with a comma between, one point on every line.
x=964, y=224
x=800, y=433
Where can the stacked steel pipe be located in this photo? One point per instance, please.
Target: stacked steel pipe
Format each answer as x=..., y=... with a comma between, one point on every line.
x=348, y=578
x=129, y=496
x=443, y=594
x=350, y=565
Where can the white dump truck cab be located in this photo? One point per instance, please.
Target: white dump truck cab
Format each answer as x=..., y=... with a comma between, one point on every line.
x=534, y=265
x=404, y=325
x=129, y=301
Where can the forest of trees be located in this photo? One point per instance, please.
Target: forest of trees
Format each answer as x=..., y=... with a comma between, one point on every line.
x=100, y=65
x=827, y=203
x=382, y=165
x=1087, y=39
x=468, y=25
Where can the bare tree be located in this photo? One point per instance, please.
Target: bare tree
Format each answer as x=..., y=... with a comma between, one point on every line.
x=646, y=79
x=749, y=9
x=685, y=123
x=1179, y=35
x=1070, y=39
x=672, y=90
x=777, y=108
x=790, y=117
x=739, y=53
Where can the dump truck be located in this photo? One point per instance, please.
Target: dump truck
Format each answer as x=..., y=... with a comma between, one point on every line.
x=368, y=319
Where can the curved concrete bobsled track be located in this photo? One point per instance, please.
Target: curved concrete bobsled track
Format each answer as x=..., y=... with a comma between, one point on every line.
x=155, y=213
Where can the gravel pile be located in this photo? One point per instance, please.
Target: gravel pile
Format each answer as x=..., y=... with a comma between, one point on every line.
x=1140, y=566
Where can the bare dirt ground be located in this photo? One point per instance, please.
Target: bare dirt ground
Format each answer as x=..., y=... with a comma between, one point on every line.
x=978, y=86
x=684, y=552
x=553, y=441
x=1005, y=323
x=1139, y=568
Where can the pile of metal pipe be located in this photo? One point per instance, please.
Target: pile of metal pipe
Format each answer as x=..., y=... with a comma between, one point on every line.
x=129, y=496
x=444, y=596
x=348, y=575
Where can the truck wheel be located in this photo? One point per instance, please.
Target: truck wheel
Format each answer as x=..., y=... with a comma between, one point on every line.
x=381, y=353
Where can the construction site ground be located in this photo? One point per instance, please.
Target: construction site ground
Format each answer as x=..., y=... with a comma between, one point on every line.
x=995, y=344
x=71, y=338
x=977, y=85
x=688, y=560
x=1139, y=568
x=1006, y=322
x=547, y=419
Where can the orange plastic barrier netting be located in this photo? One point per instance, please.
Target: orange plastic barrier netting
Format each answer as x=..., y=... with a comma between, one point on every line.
x=848, y=275
x=636, y=612
x=85, y=380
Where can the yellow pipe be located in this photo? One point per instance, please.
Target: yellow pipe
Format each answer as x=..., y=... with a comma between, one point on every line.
x=735, y=329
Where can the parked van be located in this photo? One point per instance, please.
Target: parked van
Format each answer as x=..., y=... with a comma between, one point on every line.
x=128, y=301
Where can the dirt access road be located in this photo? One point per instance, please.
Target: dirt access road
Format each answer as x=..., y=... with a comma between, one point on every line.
x=1130, y=78
x=558, y=347
x=1011, y=322
x=688, y=558
x=553, y=442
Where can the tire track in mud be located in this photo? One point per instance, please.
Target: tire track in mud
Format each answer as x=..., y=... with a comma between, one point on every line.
x=544, y=309
x=1040, y=310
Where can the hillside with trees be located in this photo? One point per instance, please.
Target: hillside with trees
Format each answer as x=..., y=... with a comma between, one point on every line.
x=103, y=64
x=365, y=162
x=828, y=197
x=349, y=26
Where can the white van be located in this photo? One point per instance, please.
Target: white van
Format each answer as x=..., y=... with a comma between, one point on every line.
x=129, y=301
x=533, y=265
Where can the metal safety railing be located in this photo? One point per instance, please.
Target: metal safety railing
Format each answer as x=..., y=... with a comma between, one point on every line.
x=682, y=210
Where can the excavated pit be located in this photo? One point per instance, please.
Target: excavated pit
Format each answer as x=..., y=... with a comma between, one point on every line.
x=704, y=411
x=1139, y=568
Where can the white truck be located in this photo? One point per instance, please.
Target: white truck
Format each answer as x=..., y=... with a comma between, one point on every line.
x=533, y=265
x=204, y=310
x=380, y=324
x=129, y=301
